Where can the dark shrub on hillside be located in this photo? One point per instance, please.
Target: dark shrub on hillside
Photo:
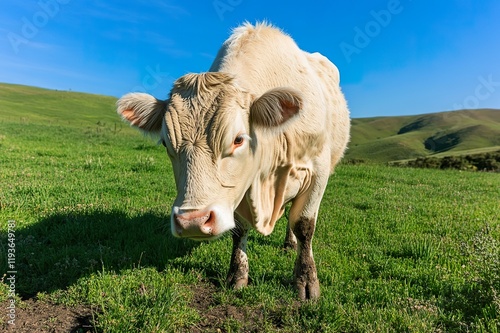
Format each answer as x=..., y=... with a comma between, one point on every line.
x=453, y=162
x=353, y=161
x=475, y=162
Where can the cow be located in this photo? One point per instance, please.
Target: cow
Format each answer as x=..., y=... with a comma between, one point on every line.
x=264, y=127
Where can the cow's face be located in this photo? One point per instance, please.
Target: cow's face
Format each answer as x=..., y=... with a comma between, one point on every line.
x=210, y=129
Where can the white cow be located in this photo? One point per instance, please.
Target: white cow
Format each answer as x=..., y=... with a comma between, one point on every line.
x=264, y=127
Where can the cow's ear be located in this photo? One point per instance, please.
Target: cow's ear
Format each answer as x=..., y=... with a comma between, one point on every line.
x=275, y=107
x=142, y=111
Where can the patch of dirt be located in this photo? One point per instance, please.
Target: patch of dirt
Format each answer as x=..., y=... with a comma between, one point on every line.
x=221, y=318
x=215, y=316
x=45, y=317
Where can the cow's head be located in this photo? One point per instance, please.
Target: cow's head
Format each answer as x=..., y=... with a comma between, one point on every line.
x=210, y=128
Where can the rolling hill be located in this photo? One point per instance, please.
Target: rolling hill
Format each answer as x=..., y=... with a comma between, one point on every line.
x=379, y=139
x=385, y=139
x=25, y=103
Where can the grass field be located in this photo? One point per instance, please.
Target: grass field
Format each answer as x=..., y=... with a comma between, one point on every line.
x=397, y=249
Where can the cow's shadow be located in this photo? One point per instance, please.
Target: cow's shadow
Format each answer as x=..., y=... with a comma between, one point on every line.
x=59, y=249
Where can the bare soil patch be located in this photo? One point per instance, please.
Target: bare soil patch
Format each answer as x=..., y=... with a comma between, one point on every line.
x=216, y=317
x=33, y=315
x=45, y=317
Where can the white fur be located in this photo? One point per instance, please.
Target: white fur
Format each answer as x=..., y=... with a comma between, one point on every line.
x=300, y=132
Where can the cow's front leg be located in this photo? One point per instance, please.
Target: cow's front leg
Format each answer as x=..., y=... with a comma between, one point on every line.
x=238, y=269
x=305, y=275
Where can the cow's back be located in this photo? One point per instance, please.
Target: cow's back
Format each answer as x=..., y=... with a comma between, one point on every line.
x=339, y=121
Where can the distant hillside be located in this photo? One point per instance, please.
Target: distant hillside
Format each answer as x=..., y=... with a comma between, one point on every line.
x=24, y=103
x=379, y=139
x=384, y=139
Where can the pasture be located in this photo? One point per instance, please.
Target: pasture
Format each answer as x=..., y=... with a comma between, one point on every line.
x=397, y=249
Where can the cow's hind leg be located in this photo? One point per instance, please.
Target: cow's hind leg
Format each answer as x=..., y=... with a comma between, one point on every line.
x=302, y=221
x=238, y=269
x=305, y=275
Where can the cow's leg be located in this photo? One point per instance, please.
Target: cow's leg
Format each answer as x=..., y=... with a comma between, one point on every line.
x=238, y=269
x=305, y=275
x=302, y=220
x=290, y=239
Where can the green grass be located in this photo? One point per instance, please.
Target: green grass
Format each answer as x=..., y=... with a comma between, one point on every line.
x=397, y=249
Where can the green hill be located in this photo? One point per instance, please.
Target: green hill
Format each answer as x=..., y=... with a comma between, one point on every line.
x=379, y=139
x=384, y=139
x=31, y=104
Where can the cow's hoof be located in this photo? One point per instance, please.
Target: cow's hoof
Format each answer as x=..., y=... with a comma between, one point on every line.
x=308, y=290
x=237, y=283
x=241, y=283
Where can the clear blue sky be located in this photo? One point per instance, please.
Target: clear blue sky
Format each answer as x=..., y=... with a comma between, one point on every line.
x=395, y=57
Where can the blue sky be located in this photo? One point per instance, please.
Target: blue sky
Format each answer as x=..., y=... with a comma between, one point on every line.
x=395, y=57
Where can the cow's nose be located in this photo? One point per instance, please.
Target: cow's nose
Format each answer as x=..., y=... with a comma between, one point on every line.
x=194, y=224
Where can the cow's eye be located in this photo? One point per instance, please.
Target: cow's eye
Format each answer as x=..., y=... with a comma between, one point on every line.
x=238, y=141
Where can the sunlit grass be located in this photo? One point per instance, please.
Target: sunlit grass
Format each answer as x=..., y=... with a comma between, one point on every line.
x=397, y=250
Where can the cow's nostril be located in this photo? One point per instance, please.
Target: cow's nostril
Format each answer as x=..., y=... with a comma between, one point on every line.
x=209, y=219
x=208, y=225
x=194, y=223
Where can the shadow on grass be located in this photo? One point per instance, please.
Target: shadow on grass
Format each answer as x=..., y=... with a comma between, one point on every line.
x=61, y=248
